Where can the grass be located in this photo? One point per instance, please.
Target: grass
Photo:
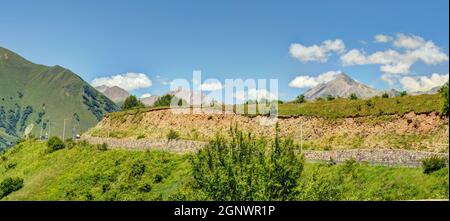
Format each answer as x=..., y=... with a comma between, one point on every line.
x=376, y=106
x=338, y=108
x=85, y=173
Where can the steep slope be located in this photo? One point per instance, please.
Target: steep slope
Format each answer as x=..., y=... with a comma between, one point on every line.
x=37, y=98
x=341, y=86
x=114, y=93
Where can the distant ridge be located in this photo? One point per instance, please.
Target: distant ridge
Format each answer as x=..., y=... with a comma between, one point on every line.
x=341, y=86
x=115, y=93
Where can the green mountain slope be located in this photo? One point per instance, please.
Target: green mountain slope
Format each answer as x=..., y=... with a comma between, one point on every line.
x=83, y=172
x=41, y=97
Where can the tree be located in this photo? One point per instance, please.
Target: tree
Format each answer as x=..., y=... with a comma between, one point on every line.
x=403, y=93
x=385, y=95
x=353, y=96
x=330, y=97
x=132, y=102
x=247, y=168
x=54, y=143
x=166, y=100
x=444, y=94
x=300, y=99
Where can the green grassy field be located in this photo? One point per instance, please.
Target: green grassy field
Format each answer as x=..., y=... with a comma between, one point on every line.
x=338, y=108
x=87, y=173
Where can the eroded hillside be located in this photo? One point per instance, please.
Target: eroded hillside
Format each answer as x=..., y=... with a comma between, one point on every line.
x=426, y=131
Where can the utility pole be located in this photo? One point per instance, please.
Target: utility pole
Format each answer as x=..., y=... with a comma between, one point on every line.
x=64, y=129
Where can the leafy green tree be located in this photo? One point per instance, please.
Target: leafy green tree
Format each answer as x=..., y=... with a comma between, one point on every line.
x=353, y=96
x=166, y=100
x=54, y=143
x=300, y=99
x=385, y=95
x=247, y=168
x=403, y=93
x=131, y=102
x=444, y=93
x=432, y=164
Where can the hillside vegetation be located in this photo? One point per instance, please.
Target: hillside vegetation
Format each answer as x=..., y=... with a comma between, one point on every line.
x=41, y=97
x=337, y=108
x=84, y=172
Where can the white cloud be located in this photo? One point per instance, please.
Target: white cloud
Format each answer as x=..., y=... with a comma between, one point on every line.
x=212, y=85
x=408, y=42
x=129, y=81
x=423, y=83
x=146, y=95
x=305, y=81
x=316, y=52
x=353, y=57
x=381, y=38
x=394, y=62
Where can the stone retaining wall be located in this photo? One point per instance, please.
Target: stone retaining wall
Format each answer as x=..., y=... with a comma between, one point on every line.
x=376, y=156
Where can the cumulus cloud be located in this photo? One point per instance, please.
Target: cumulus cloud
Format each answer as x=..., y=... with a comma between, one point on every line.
x=316, y=52
x=408, y=41
x=129, y=81
x=306, y=81
x=212, y=85
x=146, y=95
x=381, y=38
x=423, y=83
x=394, y=62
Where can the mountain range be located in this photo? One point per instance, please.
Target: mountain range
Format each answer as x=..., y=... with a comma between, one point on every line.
x=343, y=86
x=114, y=93
x=38, y=99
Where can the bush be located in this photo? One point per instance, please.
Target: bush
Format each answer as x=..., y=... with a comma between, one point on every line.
x=54, y=144
x=102, y=147
x=300, y=99
x=385, y=95
x=172, y=135
x=245, y=168
x=10, y=185
x=132, y=102
x=403, y=93
x=432, y=164
x=353, y=96
x=140, y=136
x=330, y=97
x=444, y=93
x=70, y=143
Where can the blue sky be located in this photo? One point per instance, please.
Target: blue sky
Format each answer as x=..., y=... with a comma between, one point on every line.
x=224, y=39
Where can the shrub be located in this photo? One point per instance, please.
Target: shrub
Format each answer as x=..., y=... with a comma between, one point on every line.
x=385, y=95
x=403, y=93
x=140, y=136
x=137, y=169
x=102, y=147
x=353, y=96
x=10, y=185
x=131, y=102
x=158, y=178
x=444, y=93
x=300, y=99
x=330, y=97
x=432, y=164
x=172, y=135
x=54, y=144
x=319, y=99
x=246, y=168
x=70, y=143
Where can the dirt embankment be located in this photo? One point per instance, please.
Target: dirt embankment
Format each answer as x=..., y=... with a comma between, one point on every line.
x=427, y=132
